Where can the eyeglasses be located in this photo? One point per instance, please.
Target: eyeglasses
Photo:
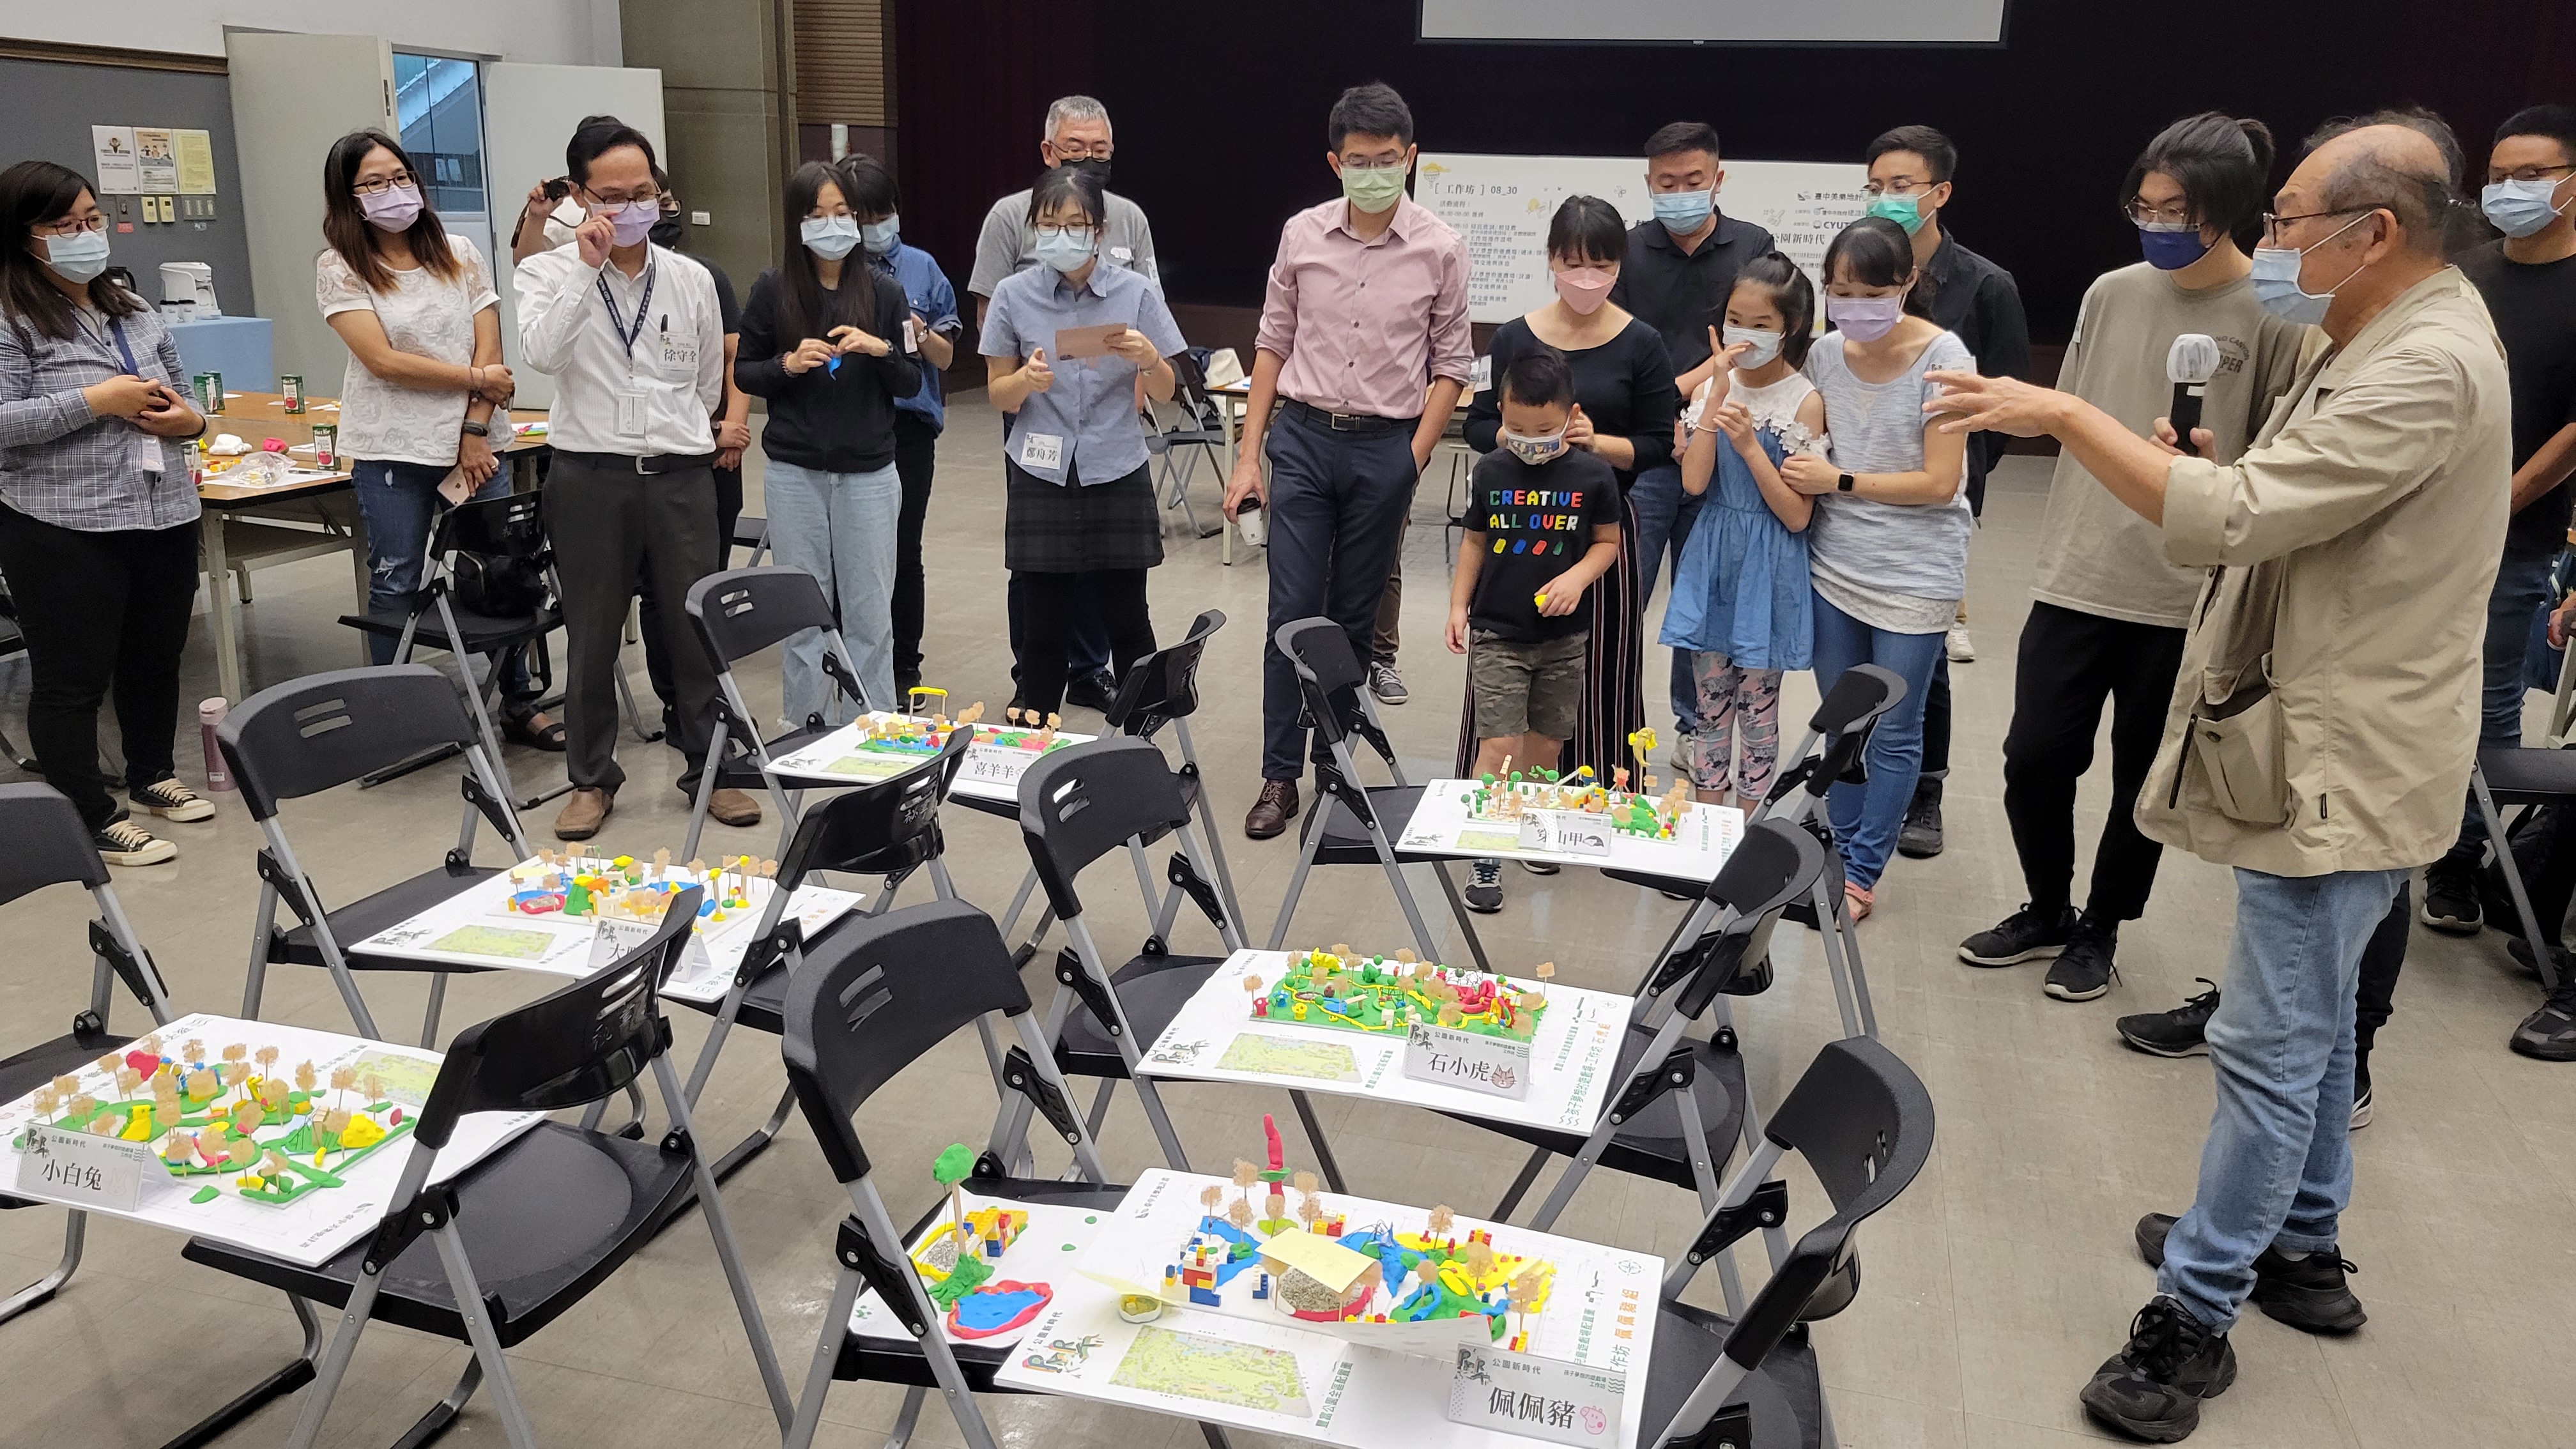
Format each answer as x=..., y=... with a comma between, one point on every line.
x=1059, y=233
x=1077, y=151
x=2178, y=214
x=2272, y=224
x=384, y=184
x=2525, y=173
x=652, y=197
x=73, y=226
x=1901, y=186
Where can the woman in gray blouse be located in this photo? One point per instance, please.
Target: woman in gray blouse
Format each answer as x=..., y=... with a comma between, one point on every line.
x=98, y=517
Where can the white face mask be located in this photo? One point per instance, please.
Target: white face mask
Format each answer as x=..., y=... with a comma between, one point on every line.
x=1534, y=450
x=1766, y=346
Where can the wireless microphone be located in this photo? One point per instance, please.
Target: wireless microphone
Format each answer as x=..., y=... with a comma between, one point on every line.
x=2189, y=365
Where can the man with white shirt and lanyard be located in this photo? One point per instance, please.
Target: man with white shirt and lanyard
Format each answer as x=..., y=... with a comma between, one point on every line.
x=634, y=339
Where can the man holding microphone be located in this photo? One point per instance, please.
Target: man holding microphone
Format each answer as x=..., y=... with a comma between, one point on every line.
x=2326, y=713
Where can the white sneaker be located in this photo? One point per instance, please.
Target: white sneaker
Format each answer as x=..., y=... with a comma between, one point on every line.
x=126, y=843
x=172, y=801
x=1957, y=644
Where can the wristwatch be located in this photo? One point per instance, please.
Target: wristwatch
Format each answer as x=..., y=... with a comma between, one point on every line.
x=1845, y=486
x=484, y=430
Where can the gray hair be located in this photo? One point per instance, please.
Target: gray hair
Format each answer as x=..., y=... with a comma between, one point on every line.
x=2426, y=202
x=1073, y=108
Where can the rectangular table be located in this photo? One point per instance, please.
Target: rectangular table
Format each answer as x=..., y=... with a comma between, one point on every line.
x=1442, y=825
x=1244, y=1363
x=991, y=773
x=332, y=1206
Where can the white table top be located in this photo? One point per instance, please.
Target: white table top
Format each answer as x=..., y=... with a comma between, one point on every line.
x=1246, y=1364
x=1441, y=825
x=992, y=770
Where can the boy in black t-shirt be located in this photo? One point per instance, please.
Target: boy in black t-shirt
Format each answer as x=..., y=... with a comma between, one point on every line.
x=1543, y=525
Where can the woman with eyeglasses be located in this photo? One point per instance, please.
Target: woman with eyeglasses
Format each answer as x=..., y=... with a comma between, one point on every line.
x=823, y=339
x=1080, y=517
x=420, y=402
x=98, y=517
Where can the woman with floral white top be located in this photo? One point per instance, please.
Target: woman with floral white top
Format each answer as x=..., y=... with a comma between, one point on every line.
x=425, y=381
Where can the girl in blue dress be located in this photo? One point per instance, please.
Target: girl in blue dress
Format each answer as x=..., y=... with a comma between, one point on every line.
x=1740, y=596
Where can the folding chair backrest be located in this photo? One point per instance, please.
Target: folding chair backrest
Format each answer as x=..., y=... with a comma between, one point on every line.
x=740, y=612
x=1863, y=1122
x=1852, y=708
x=308, y=735
x=1164, y=685
x=1328, y=671
x=567, y=1049
x=48, y=845
x=511, y=527
x=1078, y=805
x=894, y=986
x=879, y=828
x=1774, y=864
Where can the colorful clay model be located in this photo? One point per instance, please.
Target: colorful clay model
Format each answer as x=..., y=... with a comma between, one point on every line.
x=1322, y=988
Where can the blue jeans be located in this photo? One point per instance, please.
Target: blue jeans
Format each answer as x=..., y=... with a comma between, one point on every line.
x=2277, y=1168
x=1664, y=517
x=2521, y=590
x=398, y=503
x=1866, y=817
x=839, y=527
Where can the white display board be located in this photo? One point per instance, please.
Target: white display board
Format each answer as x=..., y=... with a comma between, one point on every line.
x=1443, y=825
x=1502, y=205
x=320, y=1221
x=1246, y=1365
x=1215, y=1038
x=845, y=757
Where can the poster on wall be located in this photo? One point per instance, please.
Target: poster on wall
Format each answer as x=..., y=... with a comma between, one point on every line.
x=112, y=160
x=156, y=159
x=196, y=157
x=1502, y=206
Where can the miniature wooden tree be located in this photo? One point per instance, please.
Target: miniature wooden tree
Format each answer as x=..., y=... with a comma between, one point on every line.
x=1449, y=1014
x=203, y=1083
x=247, y=1118
x=267, y=1060
x=1523, y=1294
x=103, y=1125
x=1245, y=1175
x=241, y=1151
x=66, y=1084
x=343, y=1079
x=83, y=1104
x=1480, y=1259
x=110, y=1063
x=304, y=1078
x=1252, y=986
x=1276, y=1205
x=334, y=1123
x=193, y=1051
x=272, y=1094
x=1310, y=1211
x=46, y=1100
x=1210, y=1199
x=1442, y=1223
x=128, y=1081
x=372, y=1086
x=1305, y=1183
x=1239, y=1213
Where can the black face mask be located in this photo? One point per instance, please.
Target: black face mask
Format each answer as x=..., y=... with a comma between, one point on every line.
x=666, y=232
x=1095, y=167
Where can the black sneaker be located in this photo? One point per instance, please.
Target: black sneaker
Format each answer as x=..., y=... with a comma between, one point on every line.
x=2520, y=950
x=2028, y=934
x=2361, y=1104
x=1484, y=893
x=2083, y=970
x=2451, y=897
x=2181, y=1032
x=2306, y=1293
x=2151, y=1389
x=1092, y=691
x=1920, y=837
x=1546, y=867
x=2549, y=1034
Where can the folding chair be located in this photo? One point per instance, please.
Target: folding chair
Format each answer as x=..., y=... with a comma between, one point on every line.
x=2523, y=776
x=308, y=735
x=738, y=613
x=886, y=827
x=748, y=532
x=549, y=1216
x=1349, y=823
x=1863, y=1122
x=13, y=644
x=1161, y=688
x=1200, y=428
x=1077, y=805
x=878, y=997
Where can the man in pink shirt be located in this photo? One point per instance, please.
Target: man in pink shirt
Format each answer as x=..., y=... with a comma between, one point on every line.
x=1364, y=349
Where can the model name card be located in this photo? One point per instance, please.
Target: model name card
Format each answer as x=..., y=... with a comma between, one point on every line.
x=83, y=1170
x=1536, y=1398
x=1566, y=832
x=1496, y=1066
x=996, y=764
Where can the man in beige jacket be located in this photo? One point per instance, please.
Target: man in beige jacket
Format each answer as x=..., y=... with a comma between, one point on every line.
x=2325, y=717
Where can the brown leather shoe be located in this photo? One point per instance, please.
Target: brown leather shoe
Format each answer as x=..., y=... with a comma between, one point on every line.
x=1271, y=813
x=584, y=813
x=733, y=807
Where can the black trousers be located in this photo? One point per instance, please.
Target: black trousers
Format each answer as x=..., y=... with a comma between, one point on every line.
x=1116, y=598
x=102, y=612
x=2381, y=959
x=609, y=526
x=1936, y=726
x=2070, y=662
x=1337, y=507
x=916, y=456
x=648, y=614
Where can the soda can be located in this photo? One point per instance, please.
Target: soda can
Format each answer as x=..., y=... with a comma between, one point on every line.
x=326, y=446
x=210, y=392
x=292, y=387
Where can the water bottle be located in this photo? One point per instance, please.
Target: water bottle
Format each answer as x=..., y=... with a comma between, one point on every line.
x=210, y=713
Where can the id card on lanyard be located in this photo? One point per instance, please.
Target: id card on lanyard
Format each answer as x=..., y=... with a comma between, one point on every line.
x=630, y=398
x=146, y=449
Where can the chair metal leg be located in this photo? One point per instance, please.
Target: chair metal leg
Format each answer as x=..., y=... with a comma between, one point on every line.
x=1100, y=1104
x=706, y=790
x=827, y=1353
x=1651, y=1060
x=1828, y=904
x=1128, y=1047
x=334, y=1364
x=1458, y=913
x=75, y=1231
x=934, y=1345
x=1520, y=1185
x=908, y=1418
x=296, y=1374
x=1019, y=901
x=1324, y=1162
x=1305, y=863
x=429, y=1018
x=478, y=1329
x=992, y=1049
x=255, y=980
x=442, y=1415
x=2543, y=946
x=728, y=1254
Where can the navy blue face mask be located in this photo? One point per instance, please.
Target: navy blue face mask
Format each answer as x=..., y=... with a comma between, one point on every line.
x=2170, y=247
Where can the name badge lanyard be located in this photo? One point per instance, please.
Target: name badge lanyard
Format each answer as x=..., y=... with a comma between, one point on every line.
x=147, y=447
x=643, y=310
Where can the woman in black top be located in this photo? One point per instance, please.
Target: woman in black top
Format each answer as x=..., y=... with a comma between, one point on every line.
x=825, y=343
x=1625, y=404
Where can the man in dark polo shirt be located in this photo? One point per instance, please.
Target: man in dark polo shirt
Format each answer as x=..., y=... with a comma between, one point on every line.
x=1909, y=184
x=1679, y=268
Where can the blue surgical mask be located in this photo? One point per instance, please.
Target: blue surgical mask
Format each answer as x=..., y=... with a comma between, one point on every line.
x=1684, y=212
x=1066, y=248
x=2520, y=208
x=1534, y=451
x=829, y=237
x=1766, y=346
x=1905, y=210
x=880, y=236
x=2171, y=246
x=79, y=257
x=2276, y=280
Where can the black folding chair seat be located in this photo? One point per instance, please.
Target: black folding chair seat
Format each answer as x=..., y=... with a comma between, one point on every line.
x=1346, y=841
x=544, y=1221
x=764, y=998
x=39, y=1064
x=901, y=1361
x=1653, y=1144
x=2529, y=776
x=480, y=633
x=387, y=908
x=1152, y=989
x=1688, y=1340
x=740, y=771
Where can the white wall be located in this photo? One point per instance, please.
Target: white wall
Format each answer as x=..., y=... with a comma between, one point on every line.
x=555, y=32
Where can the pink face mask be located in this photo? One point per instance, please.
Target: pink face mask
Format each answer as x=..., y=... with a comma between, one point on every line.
x=1585, y=288
x=393, y=209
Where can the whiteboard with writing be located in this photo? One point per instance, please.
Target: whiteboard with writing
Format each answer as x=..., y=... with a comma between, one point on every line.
x=1502, y=205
